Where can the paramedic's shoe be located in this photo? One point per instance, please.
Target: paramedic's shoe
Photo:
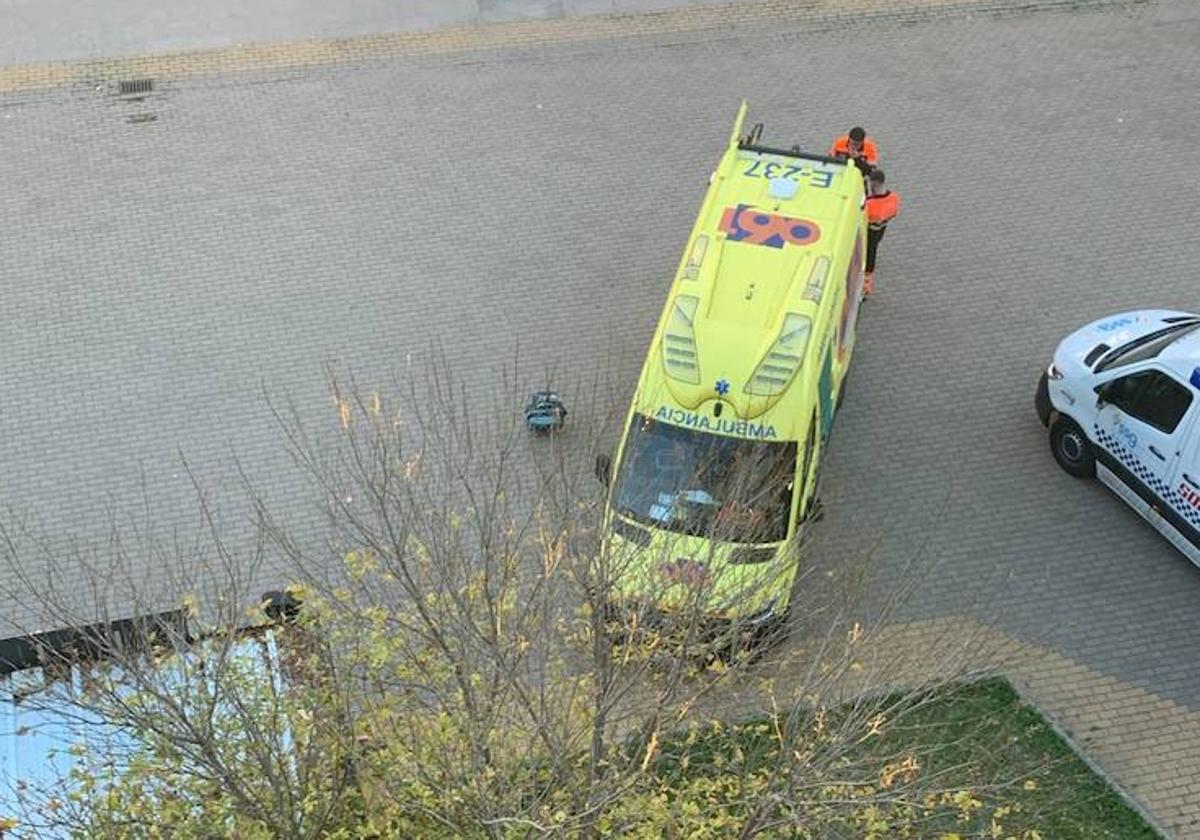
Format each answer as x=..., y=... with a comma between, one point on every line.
x=868, y=283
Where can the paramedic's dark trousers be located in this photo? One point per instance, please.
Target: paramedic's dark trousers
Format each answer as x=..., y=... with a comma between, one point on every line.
x=873, y=237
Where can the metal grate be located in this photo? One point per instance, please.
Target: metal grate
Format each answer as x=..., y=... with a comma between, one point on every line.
x=135, y=86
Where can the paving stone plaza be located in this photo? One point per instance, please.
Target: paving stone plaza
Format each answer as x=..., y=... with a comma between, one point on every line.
x=264, y=212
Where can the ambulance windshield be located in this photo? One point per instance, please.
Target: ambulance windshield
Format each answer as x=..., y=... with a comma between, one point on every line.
x=702, y=484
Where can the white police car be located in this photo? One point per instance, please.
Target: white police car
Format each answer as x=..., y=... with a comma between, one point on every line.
x=1120, y=399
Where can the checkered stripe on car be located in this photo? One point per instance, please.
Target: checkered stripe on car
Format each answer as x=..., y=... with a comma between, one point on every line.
x=1135, y=466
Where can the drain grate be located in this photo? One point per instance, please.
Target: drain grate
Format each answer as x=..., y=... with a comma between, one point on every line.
x=135, y=86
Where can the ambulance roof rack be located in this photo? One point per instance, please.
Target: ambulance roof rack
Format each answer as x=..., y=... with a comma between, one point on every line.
x=750, y=143
x=793, y=152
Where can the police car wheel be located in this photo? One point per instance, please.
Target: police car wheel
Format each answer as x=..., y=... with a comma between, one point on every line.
x=1071, y=449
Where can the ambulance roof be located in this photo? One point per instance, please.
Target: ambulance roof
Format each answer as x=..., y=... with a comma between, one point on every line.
x=769, y=217
x=774, y=227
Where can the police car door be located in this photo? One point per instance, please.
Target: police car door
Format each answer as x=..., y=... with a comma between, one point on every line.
x=1140, y=428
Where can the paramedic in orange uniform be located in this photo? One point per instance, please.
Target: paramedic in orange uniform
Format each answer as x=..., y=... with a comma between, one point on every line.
x=882, y=207
x=857, y=146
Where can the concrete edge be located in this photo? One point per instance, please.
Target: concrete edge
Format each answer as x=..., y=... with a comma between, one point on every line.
x=515, y=34
x=1125, y=796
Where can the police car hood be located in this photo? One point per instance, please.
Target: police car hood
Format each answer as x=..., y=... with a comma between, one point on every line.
x=1111, y=331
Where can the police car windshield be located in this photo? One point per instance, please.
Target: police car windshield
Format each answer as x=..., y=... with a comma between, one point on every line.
x=1146, y=347
x=702, y=484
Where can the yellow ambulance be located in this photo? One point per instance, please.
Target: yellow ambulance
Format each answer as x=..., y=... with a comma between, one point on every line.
x=717, y=470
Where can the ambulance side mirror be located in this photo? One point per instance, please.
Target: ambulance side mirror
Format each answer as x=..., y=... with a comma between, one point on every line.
x=604, y=469
x=1101, y=393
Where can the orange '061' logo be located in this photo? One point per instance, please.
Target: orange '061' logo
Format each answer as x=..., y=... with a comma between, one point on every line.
x=758, y=227
x=685, y=571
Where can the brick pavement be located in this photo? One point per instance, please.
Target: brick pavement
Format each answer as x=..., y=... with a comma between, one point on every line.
x=714, y=18
x=286, y=206
x=55, y=30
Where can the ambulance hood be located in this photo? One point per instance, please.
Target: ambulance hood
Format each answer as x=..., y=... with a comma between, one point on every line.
x=1083, y=348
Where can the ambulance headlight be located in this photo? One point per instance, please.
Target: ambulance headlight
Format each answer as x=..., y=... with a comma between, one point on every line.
x=777, y=368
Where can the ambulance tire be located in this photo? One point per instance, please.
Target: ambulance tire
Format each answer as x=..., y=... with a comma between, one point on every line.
x=1072, y=449
x=753, y=644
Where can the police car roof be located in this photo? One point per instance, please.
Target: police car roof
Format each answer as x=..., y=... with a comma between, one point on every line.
x=1183, y=355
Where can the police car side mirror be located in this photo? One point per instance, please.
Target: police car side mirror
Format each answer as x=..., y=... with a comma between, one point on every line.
x=1101, y=393
x=604, y=469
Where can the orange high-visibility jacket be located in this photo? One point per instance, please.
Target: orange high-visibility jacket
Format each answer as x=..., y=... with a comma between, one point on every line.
x=881, y=209
x=841, y=146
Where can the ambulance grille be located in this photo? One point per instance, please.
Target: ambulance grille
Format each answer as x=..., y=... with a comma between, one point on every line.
x=747, y=556
x=776, y=371
x=680, y=353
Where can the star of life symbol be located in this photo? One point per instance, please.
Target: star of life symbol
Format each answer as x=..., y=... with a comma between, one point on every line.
x=722, y=387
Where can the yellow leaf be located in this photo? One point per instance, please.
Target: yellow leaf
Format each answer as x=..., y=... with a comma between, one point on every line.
x=1030, y=784
x=650, y=750
x=191, y=605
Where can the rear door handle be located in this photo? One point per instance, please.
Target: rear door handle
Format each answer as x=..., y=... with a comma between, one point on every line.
x=1191, y=481
x=1159, y=455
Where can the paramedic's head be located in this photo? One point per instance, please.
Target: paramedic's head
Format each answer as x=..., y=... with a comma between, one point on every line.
x=856, y=136
x=876, y=180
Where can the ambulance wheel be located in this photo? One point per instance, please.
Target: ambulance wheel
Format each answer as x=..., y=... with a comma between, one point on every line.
x=771, y=633
x=1071, y=448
